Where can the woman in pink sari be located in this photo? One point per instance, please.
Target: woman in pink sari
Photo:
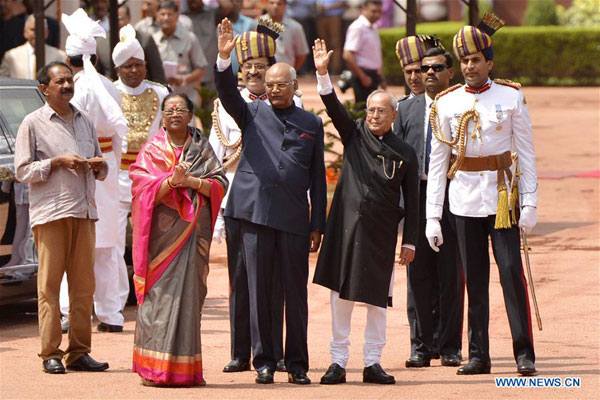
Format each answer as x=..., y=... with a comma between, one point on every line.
x=177, y=186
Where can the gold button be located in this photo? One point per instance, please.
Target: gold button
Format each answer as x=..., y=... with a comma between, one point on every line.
x=499, y=128
x=476, y=100
x=481, y=174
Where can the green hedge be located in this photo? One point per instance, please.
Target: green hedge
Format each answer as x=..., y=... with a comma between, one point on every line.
x=532, y=55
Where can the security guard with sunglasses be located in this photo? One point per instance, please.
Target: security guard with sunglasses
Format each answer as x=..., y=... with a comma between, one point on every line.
x=435, y=293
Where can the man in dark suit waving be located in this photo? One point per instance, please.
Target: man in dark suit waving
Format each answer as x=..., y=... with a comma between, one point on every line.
x=282, y=158
x=357, y=258
x=430, y=270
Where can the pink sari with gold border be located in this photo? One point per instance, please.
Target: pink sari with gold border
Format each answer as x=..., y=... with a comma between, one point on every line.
x=171, y=242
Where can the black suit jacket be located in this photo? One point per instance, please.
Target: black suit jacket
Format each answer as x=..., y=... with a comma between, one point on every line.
x=282, y=158
x=358, y=251
x=410, y=125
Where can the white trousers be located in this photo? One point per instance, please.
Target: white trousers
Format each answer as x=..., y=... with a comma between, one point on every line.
x=107, y=303
x=123, y=277
x=341, y=316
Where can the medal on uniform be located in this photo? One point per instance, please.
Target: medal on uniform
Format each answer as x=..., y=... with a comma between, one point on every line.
x=498, y=112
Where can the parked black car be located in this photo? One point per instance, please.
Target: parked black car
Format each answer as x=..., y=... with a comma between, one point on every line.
x=18, y=266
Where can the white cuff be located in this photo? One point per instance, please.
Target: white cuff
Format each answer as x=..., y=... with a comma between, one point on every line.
x=409, y=246
x=222, y=64
x=324, y=86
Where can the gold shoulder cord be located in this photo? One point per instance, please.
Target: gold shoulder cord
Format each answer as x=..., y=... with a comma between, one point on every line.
x=237, y=145
x=460, y=141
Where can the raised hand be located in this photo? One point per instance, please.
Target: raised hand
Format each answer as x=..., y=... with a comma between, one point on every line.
x=321, y=56
x=225, y=39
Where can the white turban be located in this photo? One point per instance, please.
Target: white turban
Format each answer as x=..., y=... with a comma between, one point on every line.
x=128, y=47
x=82, y=30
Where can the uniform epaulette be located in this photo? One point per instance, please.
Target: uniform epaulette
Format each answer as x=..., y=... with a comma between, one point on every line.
x=450, y=89
x=506, y=82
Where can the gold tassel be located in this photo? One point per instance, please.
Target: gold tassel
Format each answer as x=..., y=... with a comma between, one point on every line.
x=502, y=215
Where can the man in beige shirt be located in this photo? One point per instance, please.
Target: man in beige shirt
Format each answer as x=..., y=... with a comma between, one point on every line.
x=58, y=154
x=20, y=62
x=180, y=49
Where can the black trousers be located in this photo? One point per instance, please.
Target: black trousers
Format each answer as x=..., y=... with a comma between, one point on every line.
x=435, y=280
x=262, y=247
x=239, y=301
x=473, y=236
x=362, y=92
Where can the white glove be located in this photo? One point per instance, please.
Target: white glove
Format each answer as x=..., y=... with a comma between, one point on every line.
x=528, y=218
x=219, y=230
x=433, y=233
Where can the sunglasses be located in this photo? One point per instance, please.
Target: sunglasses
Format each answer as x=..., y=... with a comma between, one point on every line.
x=435, y=67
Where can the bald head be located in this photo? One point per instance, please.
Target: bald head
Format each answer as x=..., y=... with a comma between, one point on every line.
x=282, y=68
x=281, y=84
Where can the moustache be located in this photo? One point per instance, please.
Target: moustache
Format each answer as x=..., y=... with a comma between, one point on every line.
x=255, y=75
x=66, y=91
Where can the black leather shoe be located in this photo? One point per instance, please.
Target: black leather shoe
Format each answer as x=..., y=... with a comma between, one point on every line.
x=475, y=368
x=87, y=363
x=281, y=366
x=53, y=366
x=237, y=365
x=450, y=360
x=298, y=378
x=417, y=361
x=102, y=327
x=526, y=368
x=265, y=376
x=376, y=374
x=334, y=375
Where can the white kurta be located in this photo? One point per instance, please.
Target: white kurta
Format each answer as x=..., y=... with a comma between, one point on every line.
x=125, y=183
x=107, y=126
x=232, y=133
x=162, y=92
x=505, y=126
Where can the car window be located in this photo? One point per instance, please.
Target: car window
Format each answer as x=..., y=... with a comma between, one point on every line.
x=15, y=104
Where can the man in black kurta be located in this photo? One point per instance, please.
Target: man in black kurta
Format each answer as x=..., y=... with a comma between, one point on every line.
x=282, y=159
x=357, y=258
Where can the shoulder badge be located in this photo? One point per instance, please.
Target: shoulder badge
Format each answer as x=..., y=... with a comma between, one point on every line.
x=506, y=82
x=450, y=89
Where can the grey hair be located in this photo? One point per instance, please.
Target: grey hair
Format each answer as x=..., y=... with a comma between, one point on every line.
x=393, y=99
x=31, y=17
x=292, y=73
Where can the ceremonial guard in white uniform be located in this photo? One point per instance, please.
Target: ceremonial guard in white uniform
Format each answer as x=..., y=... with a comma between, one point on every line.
x=141, y=103
x=99, y=97
x=226, y=140
x=476, y=127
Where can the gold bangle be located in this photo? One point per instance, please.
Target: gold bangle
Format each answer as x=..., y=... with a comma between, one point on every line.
x=201, y=183
x=170, y=184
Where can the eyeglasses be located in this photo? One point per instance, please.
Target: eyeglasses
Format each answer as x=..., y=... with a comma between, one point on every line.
x=172, y=111
x=278, y=85
x=435, y=67
x=257, y=66
x=379, y=110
